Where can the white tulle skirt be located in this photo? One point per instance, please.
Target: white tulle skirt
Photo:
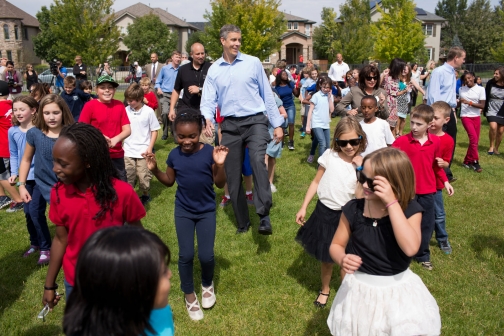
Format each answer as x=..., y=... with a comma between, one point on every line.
x=370, y=305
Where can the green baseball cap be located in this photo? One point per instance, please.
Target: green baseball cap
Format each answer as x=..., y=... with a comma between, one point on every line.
x=106, y=79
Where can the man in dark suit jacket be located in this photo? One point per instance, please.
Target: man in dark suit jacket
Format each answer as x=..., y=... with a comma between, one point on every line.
x=152, y=71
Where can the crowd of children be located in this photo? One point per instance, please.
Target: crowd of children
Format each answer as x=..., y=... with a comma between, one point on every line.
x=380, y=198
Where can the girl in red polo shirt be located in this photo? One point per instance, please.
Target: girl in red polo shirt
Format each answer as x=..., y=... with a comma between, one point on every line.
x=88, y=196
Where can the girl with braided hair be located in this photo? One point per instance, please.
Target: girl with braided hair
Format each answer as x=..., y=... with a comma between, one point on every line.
x=87, y=197
x=196, y=167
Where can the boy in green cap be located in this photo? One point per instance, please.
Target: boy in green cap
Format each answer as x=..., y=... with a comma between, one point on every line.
x=109, y=116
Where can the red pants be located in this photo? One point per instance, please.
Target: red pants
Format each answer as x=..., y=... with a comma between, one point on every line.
x=472, y=126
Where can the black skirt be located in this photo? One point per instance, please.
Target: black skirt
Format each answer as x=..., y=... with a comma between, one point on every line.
x=317, y=233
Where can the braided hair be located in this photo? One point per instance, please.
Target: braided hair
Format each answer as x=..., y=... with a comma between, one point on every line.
x=189, y=116
x=93, y=150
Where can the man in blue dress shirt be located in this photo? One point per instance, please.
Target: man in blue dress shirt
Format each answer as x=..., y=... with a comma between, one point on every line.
x=237, y=84
x=164, y=88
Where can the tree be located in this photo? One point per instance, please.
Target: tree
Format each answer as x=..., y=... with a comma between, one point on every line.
x=397, y=33
x=325, y=37
x=498, y=51
x=260, y=22
x=77, y=27
x=481, y=34
x=354, y=32
x=455, y=12
x=195, y=37
x=147, y=35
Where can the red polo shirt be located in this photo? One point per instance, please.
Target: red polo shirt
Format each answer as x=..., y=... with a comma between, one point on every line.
x=109, y=119
x=75, y=211
x=445, y=153
x=422, y=158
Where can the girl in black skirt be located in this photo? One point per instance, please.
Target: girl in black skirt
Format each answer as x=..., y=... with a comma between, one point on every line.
x=335, y=185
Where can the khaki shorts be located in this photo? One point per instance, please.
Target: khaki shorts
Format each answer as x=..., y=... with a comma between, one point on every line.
x=138, y=168
x=208, y=140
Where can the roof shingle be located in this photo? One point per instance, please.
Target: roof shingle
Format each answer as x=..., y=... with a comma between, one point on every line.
x=9, y=11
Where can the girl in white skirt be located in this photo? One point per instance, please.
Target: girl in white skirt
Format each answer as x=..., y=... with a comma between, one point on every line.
x=374, y=243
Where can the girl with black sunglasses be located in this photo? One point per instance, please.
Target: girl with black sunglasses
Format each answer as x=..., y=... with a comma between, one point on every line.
x=335, y=185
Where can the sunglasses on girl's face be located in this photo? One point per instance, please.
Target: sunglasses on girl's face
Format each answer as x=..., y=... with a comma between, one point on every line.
x=361, y=177
x=369, y=78
x=352, y=142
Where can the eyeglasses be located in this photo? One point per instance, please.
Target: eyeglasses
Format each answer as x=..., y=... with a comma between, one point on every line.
x=370, y=78
x=361, y=178
x=352, y=142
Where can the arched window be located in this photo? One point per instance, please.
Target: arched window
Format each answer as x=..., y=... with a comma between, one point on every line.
x=16, y=32
x=6, y=32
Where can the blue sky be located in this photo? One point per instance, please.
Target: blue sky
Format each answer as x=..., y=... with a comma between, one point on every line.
x=194, y=12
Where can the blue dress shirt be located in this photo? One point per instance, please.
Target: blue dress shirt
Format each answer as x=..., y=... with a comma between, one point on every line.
x=442, y=86
x=240, y=89
x=166, y=78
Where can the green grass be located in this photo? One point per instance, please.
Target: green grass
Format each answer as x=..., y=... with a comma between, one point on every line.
x=266, y=285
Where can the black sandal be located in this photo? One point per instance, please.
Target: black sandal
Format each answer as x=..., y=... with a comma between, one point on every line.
x=317, y=303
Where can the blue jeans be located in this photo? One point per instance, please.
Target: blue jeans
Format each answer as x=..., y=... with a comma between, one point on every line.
x=291, y=114
x=427, y=225
x=322, y=137
x=68, y=289
x=440, y=221
x=204, y=224
x=36, y=221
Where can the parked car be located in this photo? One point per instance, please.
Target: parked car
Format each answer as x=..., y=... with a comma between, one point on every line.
x=47, y=76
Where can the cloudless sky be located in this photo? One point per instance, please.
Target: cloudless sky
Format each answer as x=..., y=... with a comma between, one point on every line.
x=193, y=10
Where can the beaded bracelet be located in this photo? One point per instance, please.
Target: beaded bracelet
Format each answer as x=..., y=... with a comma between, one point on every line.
x=393, y=202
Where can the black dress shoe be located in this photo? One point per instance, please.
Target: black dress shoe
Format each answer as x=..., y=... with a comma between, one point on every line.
x=244, y=229
x=164, y=138
x=265, y=226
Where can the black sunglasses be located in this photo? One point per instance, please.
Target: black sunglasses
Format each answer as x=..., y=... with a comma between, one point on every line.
x=361, y=177
x=369, y=78
x=352, y=142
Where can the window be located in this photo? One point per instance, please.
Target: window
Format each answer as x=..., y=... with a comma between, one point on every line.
x=427, y=29
x=289, y=25
x=25, y=30
x=266, y=60
x=6, y=32
x=308, y=29
x=16, y=32
x=189, y=31
x=429, y=52
x=9, y=55
x=295, y=26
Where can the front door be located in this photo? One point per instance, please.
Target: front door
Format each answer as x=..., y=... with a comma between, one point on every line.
x=291, y=55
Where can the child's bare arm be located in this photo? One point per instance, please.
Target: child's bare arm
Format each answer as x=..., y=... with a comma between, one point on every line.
x=125, y=132
x=24, y=168
x=219, y=157
x=312, y=190
x=309, y=117
x=167, y=178
x=58, y=248
x=153, y=138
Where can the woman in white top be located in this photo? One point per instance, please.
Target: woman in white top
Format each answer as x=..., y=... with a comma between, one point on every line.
x=472, y=99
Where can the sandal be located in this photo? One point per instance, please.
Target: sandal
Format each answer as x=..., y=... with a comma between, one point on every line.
x=317, y=303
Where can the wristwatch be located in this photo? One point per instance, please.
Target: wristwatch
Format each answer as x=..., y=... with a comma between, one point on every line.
x=20, y=184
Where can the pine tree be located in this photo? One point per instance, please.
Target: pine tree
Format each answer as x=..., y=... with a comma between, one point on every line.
x=325, y=37
x=455, y=13
x=456, y=42
x=498, y=51
x=481, y=34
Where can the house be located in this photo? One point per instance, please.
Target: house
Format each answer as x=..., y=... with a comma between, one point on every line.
x=16, y=39
x=431, y=25
x=297, y=40
x=127, y=16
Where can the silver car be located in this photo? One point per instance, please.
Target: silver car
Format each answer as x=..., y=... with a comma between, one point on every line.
x=47, y=76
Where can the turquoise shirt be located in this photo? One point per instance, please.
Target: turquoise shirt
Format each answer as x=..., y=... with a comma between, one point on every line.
x=162, y=322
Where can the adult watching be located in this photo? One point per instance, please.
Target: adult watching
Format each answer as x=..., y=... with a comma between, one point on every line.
x=338, y=70
x=368, y=84
x=79, y=70
x=14, y=80
x=104, y=70
x=246, y=106
x=62, y=73
x=30, y=77
x=494, y=109
x=390, y=84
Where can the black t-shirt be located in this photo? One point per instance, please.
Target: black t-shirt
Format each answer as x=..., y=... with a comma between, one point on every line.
x=377, y=246
x=421, y=74
x=188, y=76
x=77, y=69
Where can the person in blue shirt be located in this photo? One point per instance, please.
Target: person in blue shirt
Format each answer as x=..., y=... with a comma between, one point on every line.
x=237, y=84
x=58, y=84
x=165, y=82
x=74, y=97
x=285, y=89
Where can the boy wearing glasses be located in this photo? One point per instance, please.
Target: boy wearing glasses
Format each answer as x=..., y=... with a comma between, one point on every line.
x=423, y=149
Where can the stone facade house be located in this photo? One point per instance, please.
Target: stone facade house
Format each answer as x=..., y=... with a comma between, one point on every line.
x=16, y=37
x=127, y=16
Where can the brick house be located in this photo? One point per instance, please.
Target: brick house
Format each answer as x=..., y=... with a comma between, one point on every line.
x=16, y=37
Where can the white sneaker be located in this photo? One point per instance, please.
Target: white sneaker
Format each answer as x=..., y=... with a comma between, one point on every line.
x=195, y=315
x=273, y=188
x=208, y=302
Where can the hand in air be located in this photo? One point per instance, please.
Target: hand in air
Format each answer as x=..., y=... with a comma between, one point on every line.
x=150, y=159
x=383, y=189
x=351, y=263
x=219, y=154
x=381, y=97
x=300, y=217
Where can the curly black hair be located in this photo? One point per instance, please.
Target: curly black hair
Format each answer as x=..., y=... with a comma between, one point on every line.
x=189, y=116
x=93, y=150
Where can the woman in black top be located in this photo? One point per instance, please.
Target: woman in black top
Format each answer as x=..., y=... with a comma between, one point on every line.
x=376, y=238
x=30, y=76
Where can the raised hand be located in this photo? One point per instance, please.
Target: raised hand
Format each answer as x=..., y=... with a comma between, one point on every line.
x=383, y=189
x=150, y=159
x=219, y=154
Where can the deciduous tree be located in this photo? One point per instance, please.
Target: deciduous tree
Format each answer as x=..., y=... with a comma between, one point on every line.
x=397, y=33
x=498, y=50
x=481, y=33
x=455, y=13
x=325, y=36
x=260, y=22
x=77, y=27
x=149, y=34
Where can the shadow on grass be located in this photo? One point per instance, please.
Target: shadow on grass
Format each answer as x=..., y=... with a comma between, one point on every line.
x=481, y=148
x=221, y=263
x=14, y=270
x=317, y=325
x=43, y=330
x=482, y=242
x=306, y=270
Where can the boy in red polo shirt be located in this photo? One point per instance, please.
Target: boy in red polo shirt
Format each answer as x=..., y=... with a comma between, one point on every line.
x=109, y=116
x=441, y=116
x=423, y=148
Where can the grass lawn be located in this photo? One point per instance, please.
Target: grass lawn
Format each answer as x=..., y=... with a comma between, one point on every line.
x=266, y=285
